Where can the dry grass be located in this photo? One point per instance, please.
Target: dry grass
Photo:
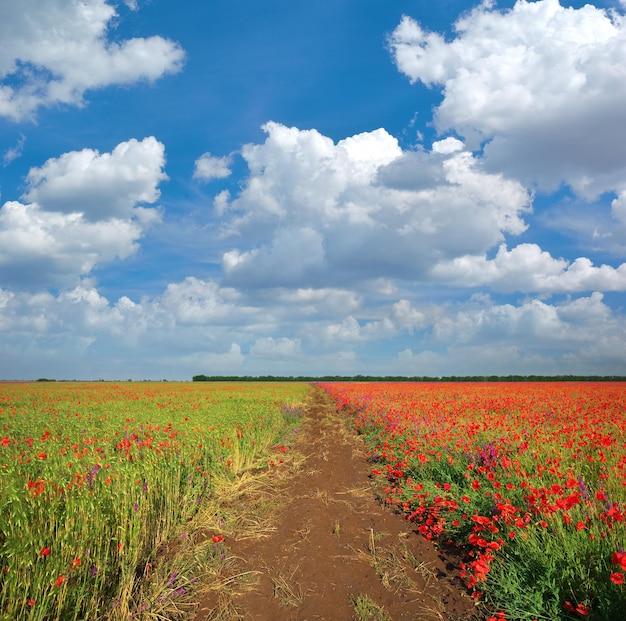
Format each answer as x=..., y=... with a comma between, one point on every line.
x=287, y=590
x=386, y=563
x=421, y=567
x=222, y=576
x=321, y=495
x=225, y=610
x=303, y=532
x=365, y=491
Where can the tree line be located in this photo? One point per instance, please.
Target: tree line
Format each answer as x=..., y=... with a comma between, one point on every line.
x=403, y=378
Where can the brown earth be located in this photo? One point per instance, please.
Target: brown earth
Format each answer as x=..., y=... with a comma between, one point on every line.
x=331, y=542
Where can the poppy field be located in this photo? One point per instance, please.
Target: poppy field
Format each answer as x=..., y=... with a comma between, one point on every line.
x=526, y=480
x=96, y=478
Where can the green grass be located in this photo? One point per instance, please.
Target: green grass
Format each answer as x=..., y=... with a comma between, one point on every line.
x=366, y=609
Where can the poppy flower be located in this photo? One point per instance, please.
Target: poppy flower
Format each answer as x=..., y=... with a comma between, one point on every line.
x=45, y=551
x=619, y=558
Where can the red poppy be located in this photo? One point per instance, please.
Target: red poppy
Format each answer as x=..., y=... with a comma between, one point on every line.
x=617, y=577
x=45, y=551
x=581, y=609
x=59, y=581
x=619, y=558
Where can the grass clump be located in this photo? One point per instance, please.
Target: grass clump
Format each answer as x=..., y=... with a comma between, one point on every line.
x=366, y=609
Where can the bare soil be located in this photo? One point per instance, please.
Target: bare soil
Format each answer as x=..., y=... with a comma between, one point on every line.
x=332, y=541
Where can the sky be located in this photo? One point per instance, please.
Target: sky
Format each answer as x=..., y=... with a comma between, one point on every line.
x=264, y=187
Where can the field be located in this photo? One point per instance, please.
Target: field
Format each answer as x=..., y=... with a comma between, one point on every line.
x=528, y=479
x=97, y=479
x=107, y=491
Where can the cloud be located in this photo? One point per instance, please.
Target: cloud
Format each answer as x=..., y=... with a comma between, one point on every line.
x=534, y=324
x=528, y=268
x=227, y=362
x=576, y=336
x=271, y=348
x=100, y=186
x=14, y=152
x=544, y=85
x=197, y=302
x=208, y=167
x=79, y=314
x=76, y=329
x=307, y=167
x=408, y=318
x=319, y=214
x=618, y=210
x=347, y=331
x=54, y=51
x=286, y=250
x=51, y=249
x=85, y=209
x=424, y=363
x=316, y=303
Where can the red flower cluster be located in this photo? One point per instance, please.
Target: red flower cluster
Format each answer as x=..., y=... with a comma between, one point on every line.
x=488, y=465
x=618, y=558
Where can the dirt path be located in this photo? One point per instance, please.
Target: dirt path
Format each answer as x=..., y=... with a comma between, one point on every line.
x=334, y=545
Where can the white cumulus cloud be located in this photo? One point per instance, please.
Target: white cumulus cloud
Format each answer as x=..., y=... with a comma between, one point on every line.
x=543, y=83
x=319, y=213
x=100, y=185
x=618, y=208
x=528, y=268
x=208, y=167
x=84, y=209
x=207, y=328
x=51, y=249
x=53, y=51
x=281, y=348
x=198, y=302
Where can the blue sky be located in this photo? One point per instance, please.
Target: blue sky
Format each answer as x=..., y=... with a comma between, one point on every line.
x=339, y=187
